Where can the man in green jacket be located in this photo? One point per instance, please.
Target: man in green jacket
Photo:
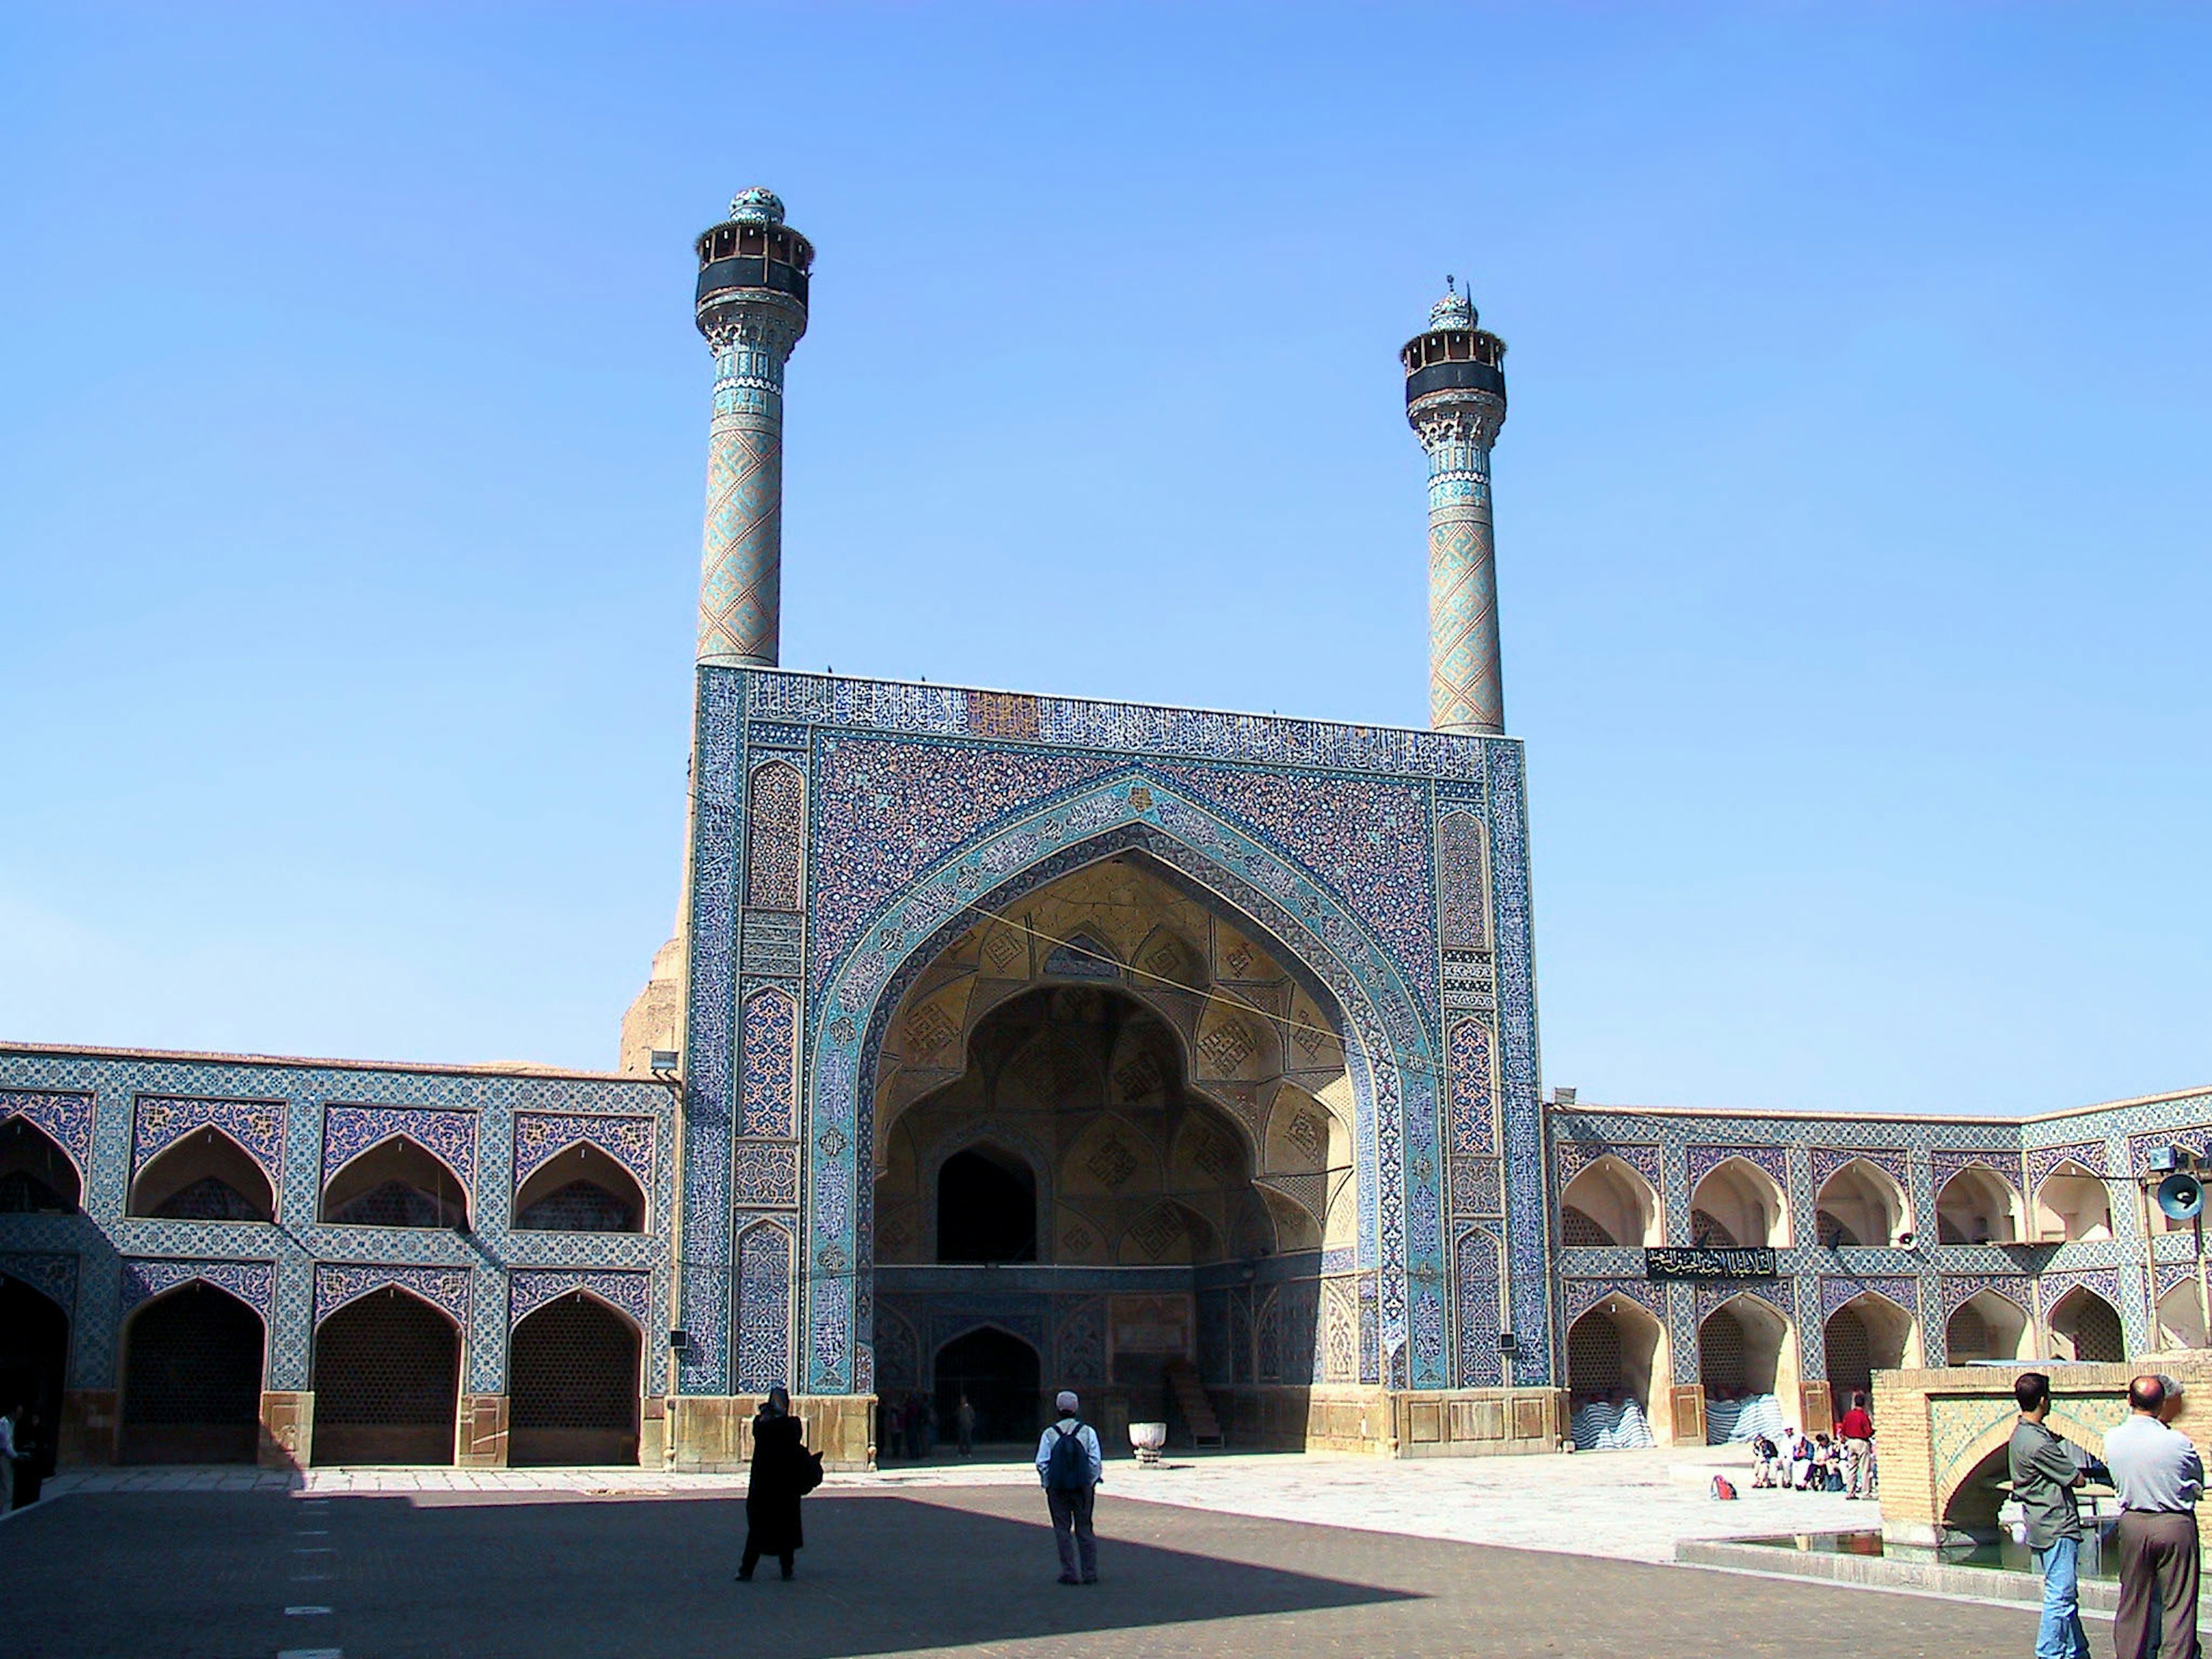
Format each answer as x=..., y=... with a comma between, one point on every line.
x=2046, y=1471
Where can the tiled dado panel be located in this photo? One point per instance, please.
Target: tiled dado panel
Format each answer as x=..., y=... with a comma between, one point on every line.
x=296, y=1119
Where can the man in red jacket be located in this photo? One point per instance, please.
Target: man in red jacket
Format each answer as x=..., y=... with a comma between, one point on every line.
x=1857, y=1431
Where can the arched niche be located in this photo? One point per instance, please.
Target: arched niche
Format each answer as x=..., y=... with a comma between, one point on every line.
x=573, y=1384
x=1000, y=1375
x=1985, y=1326
x=34, y=1345
x=205, y=1176
x=1617, y=1352
x=580, y=1190
x=1738, y=1205
x=2072, y=1205
x=36, y=1176
x=193, y=1361
x=1748, y=1366
x=398, y=1182
x=1861, y=1204
x=388, y=1368
x=1609, y=1202
x=2085, y=1329
x=2181, y=1317
x=1868, y=1334
x=1976, y=1205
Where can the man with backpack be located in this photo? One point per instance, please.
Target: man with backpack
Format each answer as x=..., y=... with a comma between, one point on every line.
x=1070, y=1466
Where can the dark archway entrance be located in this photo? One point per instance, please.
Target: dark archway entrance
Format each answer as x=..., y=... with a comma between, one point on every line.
x=1000, y=1374
x=36, y=1177
x=33, y=1365
x=387, y=1382
x=191, y=1380
x=573, y=1386
x=986, y=1208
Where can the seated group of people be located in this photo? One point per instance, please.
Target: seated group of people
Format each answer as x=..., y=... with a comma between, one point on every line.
x=1798, y=1463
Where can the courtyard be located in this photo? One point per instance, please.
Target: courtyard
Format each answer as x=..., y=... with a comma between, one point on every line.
x=1217, y=1555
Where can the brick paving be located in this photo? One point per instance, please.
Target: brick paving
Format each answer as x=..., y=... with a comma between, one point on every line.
x=553, y=1575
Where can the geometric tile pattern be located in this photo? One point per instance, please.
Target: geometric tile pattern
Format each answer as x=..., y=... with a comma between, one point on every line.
x=253, y=1282
x=1474, y=1116
x=742, y=555
x=1465, y=692
x=451, y=1137
x=102, y=1263
x=1459, y=881
x=764, y=1251
x=771, y=1064
x=441, y=1287
x=1835, y=1291
x=531, y=1289
x=773, y=837
x=65, y=1119
x=1826, y=1160
x=539, y=1136
x=257, y=1127
x=765, y=1176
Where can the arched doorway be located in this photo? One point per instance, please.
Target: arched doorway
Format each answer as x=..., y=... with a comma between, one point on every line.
x=1614, y=1353
x=1868, y=1334
x=206, y=1176
x=986, y=1207
x=1001, y=1376
x=34, y=1336
x=573, y=1385
x=2072, y=1206
x=387, y=1382
x=36, y=1176
x=2085, y=1327
x=1747, y=1363
x=1985, y=1326
x=2181, y=1317
x=191, y=1379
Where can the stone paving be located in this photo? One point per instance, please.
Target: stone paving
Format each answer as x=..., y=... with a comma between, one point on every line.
x=1626, y=1505
x=926, y=1568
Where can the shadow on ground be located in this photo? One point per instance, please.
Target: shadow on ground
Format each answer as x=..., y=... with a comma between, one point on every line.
x=550, y=1574
x=528, y=1575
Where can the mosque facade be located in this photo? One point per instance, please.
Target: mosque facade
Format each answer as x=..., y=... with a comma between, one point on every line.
x=1011, y=1042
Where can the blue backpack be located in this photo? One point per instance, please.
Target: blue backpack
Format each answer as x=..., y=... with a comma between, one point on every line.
x=1068, y=1467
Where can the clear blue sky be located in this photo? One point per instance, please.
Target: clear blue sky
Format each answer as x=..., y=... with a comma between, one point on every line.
x=1850, y=521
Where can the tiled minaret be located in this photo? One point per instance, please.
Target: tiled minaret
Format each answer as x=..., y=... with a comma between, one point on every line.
x=752, y=309
x=1455, y=400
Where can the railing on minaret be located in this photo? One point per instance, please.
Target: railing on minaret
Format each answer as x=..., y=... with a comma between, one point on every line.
x=752, y=309
x=1455, y=401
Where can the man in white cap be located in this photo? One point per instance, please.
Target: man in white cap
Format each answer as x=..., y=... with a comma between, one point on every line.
x=1070, y=1466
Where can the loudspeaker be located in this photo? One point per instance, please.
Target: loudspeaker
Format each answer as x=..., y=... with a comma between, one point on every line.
x=2180, y=1195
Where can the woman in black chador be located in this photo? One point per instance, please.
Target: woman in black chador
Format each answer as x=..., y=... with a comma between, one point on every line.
x=784, y=1471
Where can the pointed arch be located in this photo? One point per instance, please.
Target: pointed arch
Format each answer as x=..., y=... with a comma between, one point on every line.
x=575, y=1380
x=37, y=1174
x=1747, y=1365
x=2181, y=1317
x=1617, y=1354
x=204, y=1175
x=580, y=1188
x=1978, y=1204
x=1614, y=1202
x=1987, y=1325
x=2072, y=1205
x=397, y=1183
x=1139, y=813
x=1861, y=1203
x=1738, y=1204
x=387, y=1375
x=1870, y=1333
x=193, y=1357
x=2085, y=1329
x=999, y=1372
x=763, y=1310
x=775, y=824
